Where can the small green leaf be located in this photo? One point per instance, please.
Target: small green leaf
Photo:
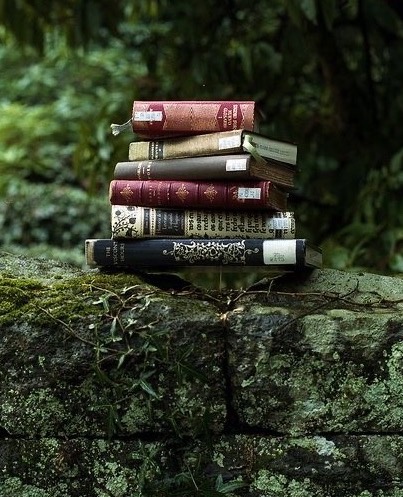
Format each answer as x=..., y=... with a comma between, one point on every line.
x=112, y=420
x=103, y=299
x=103, y=377
x=230, y=486
x=185, y=369
x=219, y=482
x=113, y=326
x=147, y=374
x=121, y=361
x=148, y=388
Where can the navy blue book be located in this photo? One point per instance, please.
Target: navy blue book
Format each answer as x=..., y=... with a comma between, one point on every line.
x=168, y=253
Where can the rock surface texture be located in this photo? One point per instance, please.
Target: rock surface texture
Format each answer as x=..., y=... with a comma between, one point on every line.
x=123, y=385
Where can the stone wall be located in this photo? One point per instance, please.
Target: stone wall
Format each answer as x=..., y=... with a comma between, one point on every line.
x=114, y=384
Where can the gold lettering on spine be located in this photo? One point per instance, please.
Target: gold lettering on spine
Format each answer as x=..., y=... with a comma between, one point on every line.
x=141, y=170
x=150, y=194
x=160, y=191
x=149, y=169
x=230, y=118
x=144, y=170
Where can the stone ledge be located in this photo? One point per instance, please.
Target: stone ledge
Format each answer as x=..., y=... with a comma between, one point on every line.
x=91, y=359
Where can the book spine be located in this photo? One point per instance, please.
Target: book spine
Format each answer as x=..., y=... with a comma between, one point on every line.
x=162, y=118
x=186, y=252
x=188, y=146
x=223, y=167
x=198, y=194
x=146, y=222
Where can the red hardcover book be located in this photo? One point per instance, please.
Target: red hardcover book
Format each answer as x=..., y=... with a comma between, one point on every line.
x=198, y=194
x=187, y=117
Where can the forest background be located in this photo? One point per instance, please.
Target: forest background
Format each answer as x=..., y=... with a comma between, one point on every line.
x=327, y=75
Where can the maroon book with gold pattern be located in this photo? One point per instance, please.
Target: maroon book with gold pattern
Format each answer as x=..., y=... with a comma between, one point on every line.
x=198, y=194
x=187, y=117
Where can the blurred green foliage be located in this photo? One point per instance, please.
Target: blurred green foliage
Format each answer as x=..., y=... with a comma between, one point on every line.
x=326, y=74
x=44, y=216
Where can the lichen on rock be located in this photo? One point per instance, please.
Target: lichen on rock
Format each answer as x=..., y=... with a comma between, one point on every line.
x=122, y=384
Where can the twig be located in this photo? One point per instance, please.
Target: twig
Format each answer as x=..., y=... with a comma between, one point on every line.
x=320, y=306
x=65, y=325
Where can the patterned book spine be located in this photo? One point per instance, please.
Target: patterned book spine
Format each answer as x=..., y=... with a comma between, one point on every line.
x=186, y=252
x=164, y=118
x=148, y=222
x=198, y=194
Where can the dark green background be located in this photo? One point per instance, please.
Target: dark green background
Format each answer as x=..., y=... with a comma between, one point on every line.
x=327, y=75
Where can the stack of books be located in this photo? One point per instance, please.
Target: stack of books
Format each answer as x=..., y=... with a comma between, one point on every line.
x=202, y=188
